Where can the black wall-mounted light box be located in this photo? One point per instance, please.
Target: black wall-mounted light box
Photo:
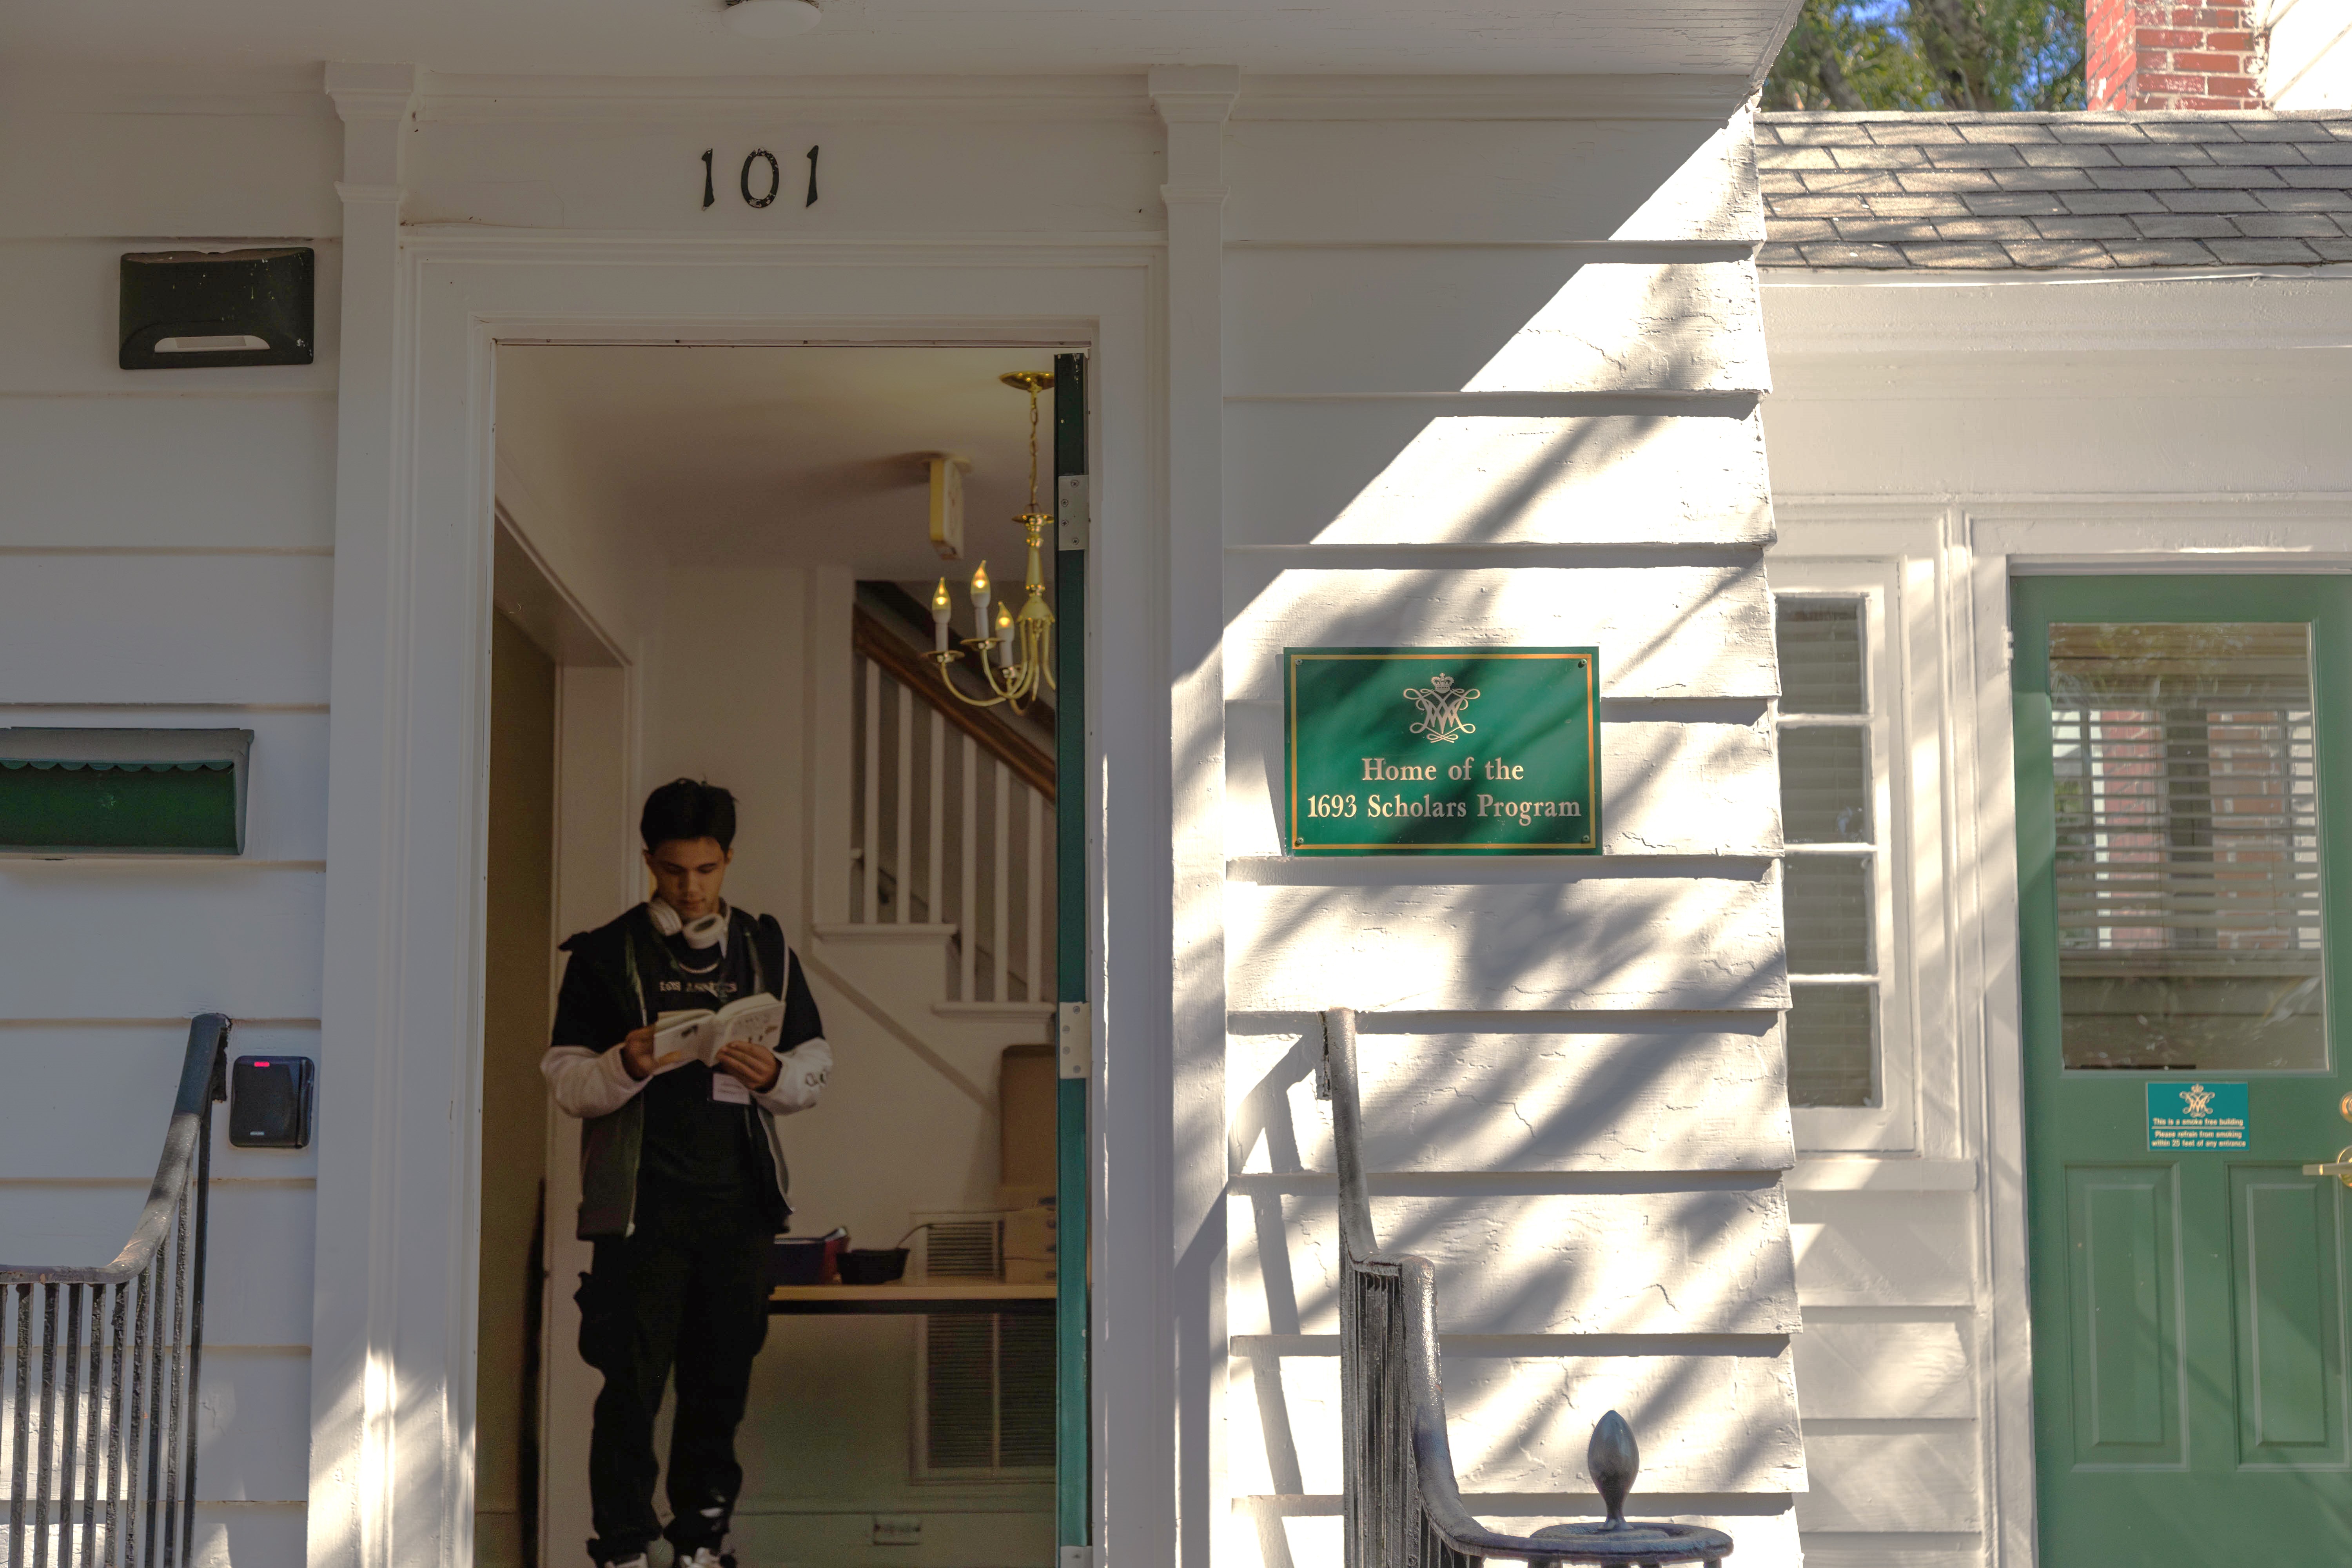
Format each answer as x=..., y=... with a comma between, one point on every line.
x=270, y=1102
x=185, y=308
x=123, y=792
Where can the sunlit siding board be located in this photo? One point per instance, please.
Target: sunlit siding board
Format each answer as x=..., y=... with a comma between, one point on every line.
x=1521, y=1092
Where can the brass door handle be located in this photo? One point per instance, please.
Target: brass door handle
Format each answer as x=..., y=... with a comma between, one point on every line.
x=2340, y=1168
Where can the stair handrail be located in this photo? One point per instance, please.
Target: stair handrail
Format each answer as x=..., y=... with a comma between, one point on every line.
x=157, y=1280
x=1404, y=1507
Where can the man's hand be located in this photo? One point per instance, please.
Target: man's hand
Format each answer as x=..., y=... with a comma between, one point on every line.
x=758, y=1069
x=637, y=1054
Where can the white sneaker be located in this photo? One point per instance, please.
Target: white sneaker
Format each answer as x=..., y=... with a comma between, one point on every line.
x=703, y=1558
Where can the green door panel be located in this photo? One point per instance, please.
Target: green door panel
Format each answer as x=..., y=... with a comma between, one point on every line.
x=2124, y=1280
x=2184, y=809
x=2290, y=1360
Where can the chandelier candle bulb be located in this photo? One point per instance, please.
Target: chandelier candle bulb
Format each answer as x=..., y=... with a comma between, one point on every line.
x=980, y=600
x=1004, y=636
x=940, y=611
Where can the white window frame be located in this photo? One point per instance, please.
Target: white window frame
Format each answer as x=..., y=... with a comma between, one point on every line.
x=1892, y=1124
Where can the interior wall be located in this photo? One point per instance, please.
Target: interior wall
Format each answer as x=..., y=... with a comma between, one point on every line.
x=168, y=538
x=515, y=1009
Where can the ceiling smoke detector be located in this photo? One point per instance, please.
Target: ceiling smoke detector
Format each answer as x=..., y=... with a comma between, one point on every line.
x=772, y=18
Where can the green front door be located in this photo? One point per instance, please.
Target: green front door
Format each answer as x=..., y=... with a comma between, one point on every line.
x=2184, y=774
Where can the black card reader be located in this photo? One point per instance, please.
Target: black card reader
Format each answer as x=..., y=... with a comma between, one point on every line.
x=270, y=1102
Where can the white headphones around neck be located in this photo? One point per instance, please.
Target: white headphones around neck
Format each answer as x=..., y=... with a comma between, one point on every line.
x=706, y=931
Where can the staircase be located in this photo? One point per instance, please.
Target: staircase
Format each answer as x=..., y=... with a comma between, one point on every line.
x=951, y=826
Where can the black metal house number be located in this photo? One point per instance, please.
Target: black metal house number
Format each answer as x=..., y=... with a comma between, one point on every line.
x=769, y=181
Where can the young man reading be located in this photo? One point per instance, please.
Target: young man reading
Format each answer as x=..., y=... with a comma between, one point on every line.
x=682, y=1176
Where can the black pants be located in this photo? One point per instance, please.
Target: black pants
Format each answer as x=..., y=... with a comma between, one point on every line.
x=688, y=1287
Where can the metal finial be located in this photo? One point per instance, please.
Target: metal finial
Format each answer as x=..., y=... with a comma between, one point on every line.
x=1613, y=1458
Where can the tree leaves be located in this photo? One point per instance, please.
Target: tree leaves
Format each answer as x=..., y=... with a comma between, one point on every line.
x=1931, y=55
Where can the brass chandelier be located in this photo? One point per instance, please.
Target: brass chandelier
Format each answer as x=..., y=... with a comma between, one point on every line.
x=1022, y=666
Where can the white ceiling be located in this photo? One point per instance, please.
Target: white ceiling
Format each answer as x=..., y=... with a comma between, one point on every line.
x=686, y=37
x=793, y=456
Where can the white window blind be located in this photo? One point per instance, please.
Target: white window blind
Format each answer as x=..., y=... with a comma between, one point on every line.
x=2187, y=846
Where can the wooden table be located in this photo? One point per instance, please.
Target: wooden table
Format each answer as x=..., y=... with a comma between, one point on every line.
x=933, y=1297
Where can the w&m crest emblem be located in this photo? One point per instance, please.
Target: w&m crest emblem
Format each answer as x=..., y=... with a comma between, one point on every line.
x=2197, y=1100
x=1441, y=703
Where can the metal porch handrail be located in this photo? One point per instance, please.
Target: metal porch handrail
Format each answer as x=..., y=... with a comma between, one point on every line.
x=1404, y=1507
x=123, y=1451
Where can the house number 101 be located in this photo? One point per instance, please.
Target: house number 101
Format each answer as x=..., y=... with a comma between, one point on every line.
x=760, y=180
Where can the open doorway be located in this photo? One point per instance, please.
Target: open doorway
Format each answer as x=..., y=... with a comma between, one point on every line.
x=728, y=557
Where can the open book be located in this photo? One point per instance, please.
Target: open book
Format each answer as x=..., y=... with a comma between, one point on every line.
x=697, y=1035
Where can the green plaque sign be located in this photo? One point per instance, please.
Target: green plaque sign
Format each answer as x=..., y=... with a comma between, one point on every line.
x=1442, y=750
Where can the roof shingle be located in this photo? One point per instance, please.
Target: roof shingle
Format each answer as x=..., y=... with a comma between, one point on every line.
x=2056, y=191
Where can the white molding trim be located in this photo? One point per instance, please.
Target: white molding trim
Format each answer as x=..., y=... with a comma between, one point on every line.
x=1194, y=100
x=1713, y=99
x=459, y=98
x=1862, y=1173
x=467, y=100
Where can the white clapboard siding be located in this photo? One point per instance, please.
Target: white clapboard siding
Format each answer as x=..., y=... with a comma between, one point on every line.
x=255, y=1424
x=1515, y=181
x=1512, y=1263
x=1883, y=1250
x=1400, y=473
x=1646, y=1094
x=1707, y=786
x=1599, y=942
x=155, y=629
x=286, y=773
x=1520, y=1423
x=242, y=473
x=990, y=174
x=104, y=1092
x=257, y=1285
x=208, y=936
x=1893, y=1481
x=1666, y=631
x=1886, y=1370
x=266, y=166
x=1483, y=319
x=69, y=344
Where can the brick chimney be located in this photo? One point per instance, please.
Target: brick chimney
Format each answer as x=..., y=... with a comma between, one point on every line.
x=2152, y=54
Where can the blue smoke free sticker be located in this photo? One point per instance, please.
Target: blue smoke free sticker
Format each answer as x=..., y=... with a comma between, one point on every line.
x=2196, y=1115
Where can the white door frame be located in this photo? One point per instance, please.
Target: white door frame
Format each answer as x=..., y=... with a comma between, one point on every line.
x=391, y=1467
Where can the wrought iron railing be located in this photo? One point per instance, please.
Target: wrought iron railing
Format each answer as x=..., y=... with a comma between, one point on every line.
x=99, y=1367
x=1404, y=1507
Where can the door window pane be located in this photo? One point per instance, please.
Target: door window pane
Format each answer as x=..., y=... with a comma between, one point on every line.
x=1827, y=903
x=1825, y=786
x=1821, y=654
x=2187, y=846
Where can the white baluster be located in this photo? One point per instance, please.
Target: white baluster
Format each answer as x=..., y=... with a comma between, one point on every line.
x=870, y=857
x=936, y=809
x=1030, y=953
x=904, y=894
x=968, y=937
x=1002, y=933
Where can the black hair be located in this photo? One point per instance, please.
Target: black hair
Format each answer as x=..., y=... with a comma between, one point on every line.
x=688, y=808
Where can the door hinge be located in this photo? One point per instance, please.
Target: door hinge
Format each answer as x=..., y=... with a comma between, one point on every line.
x=2009, y=647
x=1078, y=1557
x=1073, y=510
x=1073, y=1037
